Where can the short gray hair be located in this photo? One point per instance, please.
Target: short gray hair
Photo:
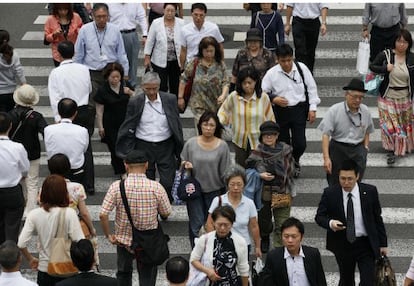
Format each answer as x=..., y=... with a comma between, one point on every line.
x=150, y=77
x=234, y=170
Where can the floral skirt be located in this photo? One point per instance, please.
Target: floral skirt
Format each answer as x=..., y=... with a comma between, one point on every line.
x=396, y=123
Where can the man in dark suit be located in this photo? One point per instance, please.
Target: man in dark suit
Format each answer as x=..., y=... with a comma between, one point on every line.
x=351, y=214
x=294, y=263
x=82, y=255
x=152, y=123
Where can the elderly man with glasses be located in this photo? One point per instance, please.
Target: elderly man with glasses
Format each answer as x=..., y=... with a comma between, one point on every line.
x=346, y=128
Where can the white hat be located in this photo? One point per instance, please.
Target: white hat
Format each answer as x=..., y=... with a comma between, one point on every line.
x=26, y=95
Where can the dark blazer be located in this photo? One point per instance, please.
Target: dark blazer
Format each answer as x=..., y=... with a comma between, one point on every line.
x=126, y=135
x=275, y=272
x=331, y=207
x=88, y=279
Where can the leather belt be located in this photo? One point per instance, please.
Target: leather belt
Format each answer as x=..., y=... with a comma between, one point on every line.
x=128, y=31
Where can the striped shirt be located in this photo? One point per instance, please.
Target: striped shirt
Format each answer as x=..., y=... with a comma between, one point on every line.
x=146, y=198
x=245, y=117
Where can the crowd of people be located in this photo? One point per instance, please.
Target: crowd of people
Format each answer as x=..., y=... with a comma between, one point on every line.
x=264, y=106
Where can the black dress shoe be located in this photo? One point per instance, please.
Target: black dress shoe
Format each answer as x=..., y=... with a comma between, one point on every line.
x=265, y=244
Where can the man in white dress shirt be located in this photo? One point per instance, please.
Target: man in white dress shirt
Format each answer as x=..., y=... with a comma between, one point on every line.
x=126, y=16
x=72, y=80
x=193, y=32
x=305, y=29
x=10, y=261
x=294, y=263
x=14, y=166
x=292, y=90
x=69, y=139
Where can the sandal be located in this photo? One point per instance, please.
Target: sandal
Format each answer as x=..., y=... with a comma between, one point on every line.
x=391, y=159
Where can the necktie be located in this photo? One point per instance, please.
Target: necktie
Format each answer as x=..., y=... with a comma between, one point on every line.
x=350, y=221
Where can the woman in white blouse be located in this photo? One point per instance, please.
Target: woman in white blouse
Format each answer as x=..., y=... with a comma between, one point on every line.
x=162, y=48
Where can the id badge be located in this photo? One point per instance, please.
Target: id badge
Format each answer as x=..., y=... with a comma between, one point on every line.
x=103, y=57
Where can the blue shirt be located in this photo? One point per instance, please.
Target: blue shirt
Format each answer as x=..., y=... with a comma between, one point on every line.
x=95, y=48
x=244, y=212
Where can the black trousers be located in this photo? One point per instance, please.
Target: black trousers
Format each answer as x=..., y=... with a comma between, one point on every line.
x=161, y=157
x=6, y=102
x=359, y=252
x=97, y=80
x=339, y=152
x=86, y=118
x=292, y=122
x=170, y=76
x=381, y=39
x=305, y=37
x=11, y=212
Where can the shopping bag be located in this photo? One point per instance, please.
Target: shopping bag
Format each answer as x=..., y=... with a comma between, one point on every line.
x=60, y=263
x=179, y=177
x=372, y=83
x=257, y=267
x=363, y=57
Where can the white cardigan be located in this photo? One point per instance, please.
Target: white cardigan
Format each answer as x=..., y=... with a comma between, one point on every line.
x=156, y=44
x=239, y=244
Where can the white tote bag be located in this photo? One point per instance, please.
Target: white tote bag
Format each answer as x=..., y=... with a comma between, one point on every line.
x=363, y=57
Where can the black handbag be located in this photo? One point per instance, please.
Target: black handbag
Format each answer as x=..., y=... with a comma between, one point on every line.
x=189, y=188
x=150, y=246
x=384, y=274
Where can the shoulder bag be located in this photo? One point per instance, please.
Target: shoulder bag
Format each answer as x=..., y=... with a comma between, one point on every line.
x=372, y=81
x=189, y=86
x=60, y=264
x=304, y=85
x=21, y=122
x=150, y=246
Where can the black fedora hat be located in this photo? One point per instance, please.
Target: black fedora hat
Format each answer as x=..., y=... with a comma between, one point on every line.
x=355, y=84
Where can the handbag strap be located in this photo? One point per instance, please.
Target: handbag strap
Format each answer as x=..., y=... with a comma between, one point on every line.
x=303, y=80
x=125, y=201
x=21, y=123
x=195, y=68
x=387, y=53
x=61, y=225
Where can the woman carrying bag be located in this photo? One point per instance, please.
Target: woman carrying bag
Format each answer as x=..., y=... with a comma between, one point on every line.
x=396, y=94
x=44, y=222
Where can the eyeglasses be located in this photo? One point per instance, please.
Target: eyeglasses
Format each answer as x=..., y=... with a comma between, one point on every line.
x=356, y=96
x=236, y=185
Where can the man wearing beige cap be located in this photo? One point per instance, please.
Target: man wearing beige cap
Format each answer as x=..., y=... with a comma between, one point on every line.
x=26, y=126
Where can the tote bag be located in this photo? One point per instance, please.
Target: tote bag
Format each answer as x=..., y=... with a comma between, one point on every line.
x=363, y=57
x=60, y=264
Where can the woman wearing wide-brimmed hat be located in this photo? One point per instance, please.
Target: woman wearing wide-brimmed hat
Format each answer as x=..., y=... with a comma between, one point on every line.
x=26, y=126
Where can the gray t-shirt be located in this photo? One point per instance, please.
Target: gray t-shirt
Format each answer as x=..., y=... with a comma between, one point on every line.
x=208, y=165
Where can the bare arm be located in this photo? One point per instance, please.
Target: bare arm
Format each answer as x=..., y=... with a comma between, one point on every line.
x=327, y=164
x=33, y=261
x=254, y=230
x=84, y=212
x=289, y=10
x=183, y=57
x=99, y=118
x=106, y=229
